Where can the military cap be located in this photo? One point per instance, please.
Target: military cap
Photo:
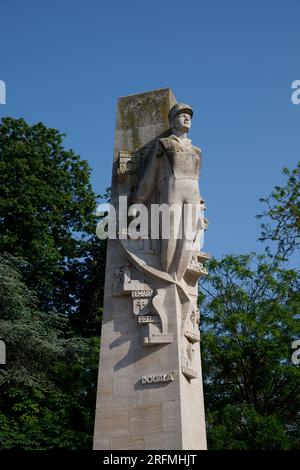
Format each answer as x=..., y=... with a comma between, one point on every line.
x=179, y=108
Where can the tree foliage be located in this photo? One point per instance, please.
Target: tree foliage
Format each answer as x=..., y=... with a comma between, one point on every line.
x=47, y=388
x=283, y=215
x=47, y=214
x=51, y=288
x=250, y=316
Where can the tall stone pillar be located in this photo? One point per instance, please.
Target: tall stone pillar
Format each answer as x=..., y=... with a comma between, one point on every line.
x=150, y=385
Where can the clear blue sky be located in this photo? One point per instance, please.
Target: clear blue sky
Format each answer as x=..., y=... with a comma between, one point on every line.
x=65, y=63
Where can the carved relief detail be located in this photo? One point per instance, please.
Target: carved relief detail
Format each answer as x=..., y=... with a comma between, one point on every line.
x=124, y=285
x=195, y=266
x=191, y=326
x=125, y=164
x=190, y=322
x=146, y=306
x=190, y=336
x=188, y=371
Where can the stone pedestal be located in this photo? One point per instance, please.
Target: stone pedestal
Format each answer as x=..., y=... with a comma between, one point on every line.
x=150, y=385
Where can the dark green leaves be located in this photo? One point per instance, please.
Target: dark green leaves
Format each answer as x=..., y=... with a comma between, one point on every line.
x=250, y=316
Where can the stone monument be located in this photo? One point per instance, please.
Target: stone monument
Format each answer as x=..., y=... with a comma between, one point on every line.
x=150, y=383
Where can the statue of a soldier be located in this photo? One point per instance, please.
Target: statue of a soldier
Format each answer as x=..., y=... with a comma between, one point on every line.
x=171, y=176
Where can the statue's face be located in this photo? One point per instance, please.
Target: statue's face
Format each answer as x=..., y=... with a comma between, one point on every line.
x=182, y=122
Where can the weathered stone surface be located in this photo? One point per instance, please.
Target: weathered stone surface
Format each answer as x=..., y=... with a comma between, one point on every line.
x=120, y=443
x=150, y=383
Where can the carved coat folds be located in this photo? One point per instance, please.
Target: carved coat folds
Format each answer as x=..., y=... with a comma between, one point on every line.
x=171, y=177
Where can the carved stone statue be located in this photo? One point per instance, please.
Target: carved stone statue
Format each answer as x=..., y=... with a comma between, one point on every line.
x=171, y=177
x=150, y=382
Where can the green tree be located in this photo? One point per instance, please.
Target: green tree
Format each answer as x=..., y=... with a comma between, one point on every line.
x=47, y=209
x=47, y=388
x=283, y=215
x=50, y=291
x=250, y=316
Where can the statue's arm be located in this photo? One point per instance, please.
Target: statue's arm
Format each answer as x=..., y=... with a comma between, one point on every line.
x=147, y=181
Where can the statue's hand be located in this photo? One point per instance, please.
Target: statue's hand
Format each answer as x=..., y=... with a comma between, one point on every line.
x=205, y=223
